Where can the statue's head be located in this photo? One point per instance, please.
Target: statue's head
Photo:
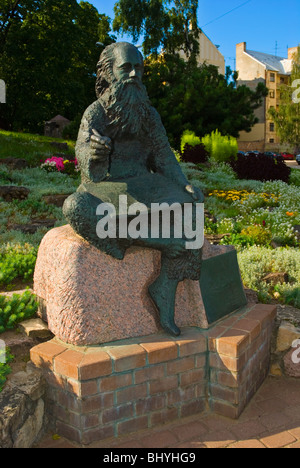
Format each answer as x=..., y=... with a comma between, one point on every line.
x=119, y=87
x=118, y=62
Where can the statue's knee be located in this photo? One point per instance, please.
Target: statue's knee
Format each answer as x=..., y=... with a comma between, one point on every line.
x=69, y=206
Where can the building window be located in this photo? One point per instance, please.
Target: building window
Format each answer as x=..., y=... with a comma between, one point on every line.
x=272, y=127
x=282, y=80
x=272, y=93
x=272, y=77
x=271, y=140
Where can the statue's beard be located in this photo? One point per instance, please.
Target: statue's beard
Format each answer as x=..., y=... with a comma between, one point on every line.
x=126, y=104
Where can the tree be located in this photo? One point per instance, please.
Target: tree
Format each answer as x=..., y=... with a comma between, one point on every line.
x=198, y=98
x=287, y=116
x=162, y=24
x=48, y=59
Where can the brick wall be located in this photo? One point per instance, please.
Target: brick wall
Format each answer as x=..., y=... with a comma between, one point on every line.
x=100, y=392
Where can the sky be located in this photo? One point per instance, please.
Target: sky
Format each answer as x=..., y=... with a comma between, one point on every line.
x=269, y=26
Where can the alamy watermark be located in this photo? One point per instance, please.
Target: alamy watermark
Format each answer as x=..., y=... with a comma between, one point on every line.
x=296, y=353
x=137, y=221
x=2, y=352
x=296, y=94
x=2, y=92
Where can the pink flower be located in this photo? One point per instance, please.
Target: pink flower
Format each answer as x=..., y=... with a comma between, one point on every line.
x=58, y=161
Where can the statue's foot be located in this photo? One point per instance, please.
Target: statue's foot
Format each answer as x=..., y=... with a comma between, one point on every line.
x=166, y=313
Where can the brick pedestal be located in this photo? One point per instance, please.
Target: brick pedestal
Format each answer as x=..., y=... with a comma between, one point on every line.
x=98, y=392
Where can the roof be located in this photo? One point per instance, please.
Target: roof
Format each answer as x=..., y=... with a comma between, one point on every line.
x=272, y=62
x=59, y=118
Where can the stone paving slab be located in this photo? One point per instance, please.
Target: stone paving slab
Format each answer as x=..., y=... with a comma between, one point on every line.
x=271, y=420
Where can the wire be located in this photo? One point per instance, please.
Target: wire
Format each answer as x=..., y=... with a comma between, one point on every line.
x=227, y=13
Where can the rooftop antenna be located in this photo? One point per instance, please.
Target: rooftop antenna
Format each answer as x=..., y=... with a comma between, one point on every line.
x=276, y=48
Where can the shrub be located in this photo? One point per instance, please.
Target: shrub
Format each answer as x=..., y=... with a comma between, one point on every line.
x=189, y=138
x=221, y=148
x=15, y=309
x=195, y=154
x=17, y=264
x=4, y=366
x=260, y=167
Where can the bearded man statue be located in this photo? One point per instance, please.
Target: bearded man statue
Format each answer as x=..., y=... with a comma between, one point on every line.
x=123, y=149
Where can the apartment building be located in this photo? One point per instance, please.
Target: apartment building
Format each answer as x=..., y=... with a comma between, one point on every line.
x=208, y=53
x=254, y=67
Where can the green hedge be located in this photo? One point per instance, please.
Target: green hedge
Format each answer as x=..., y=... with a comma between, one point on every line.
x=15, y=309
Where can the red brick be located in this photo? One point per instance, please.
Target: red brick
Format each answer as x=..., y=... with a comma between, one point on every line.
x=88, y=388
x=160, y=351
x=161, y=386
x=132, y=425
x=181, y=394
x=97, y=434
x=191, y=377
x=115, y=382
x=213, y=334
x=127, y=357
x=149, y=373
x=264, y=313
x=73, y=386
x=192, y=407
x=191, y=342
x=224, y=409
x=233, y=343
x=228, y=363
x=94, y=365
x=43, y=354
x=201, y=361
x=68, y=432
x=131, y=393
x=117, y=413
x=153, y=403
x=224, y=393
x=96, y=403
x=90, y=420
x=163, y=416
x=67, y=363
x=68, y=401
x=253, y=327
x=180, y=365
x=67, y=416
x=228, y=379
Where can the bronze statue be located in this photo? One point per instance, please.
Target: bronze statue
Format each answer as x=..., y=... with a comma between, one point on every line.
x=122, y=149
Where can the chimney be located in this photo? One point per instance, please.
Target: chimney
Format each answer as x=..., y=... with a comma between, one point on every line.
x=292, y=51
x=240, y=48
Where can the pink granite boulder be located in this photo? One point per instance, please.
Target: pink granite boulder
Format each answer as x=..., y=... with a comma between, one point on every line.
x=88, y=297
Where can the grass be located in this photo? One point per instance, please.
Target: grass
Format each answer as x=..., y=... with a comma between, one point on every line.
x=32, y=148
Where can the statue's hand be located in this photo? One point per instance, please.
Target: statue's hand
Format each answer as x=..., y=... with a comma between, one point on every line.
x=101, y=146
x=196, y=193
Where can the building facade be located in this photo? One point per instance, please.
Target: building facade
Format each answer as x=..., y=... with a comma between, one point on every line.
x=208, y=53
x=254, y=67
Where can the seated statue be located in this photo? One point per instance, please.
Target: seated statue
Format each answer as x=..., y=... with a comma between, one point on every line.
x=122, y=149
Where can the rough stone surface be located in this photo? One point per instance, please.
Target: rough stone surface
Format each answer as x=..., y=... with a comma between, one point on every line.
x=22, y=409
x=14, y=163
x=292, y=363
x=12, y=192
x=92, y=298
x=26, y=435
x=35, y=328
x=56, y=199
x=287, y=333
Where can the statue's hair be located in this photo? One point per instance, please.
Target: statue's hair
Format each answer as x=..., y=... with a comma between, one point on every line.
x=105, y=66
